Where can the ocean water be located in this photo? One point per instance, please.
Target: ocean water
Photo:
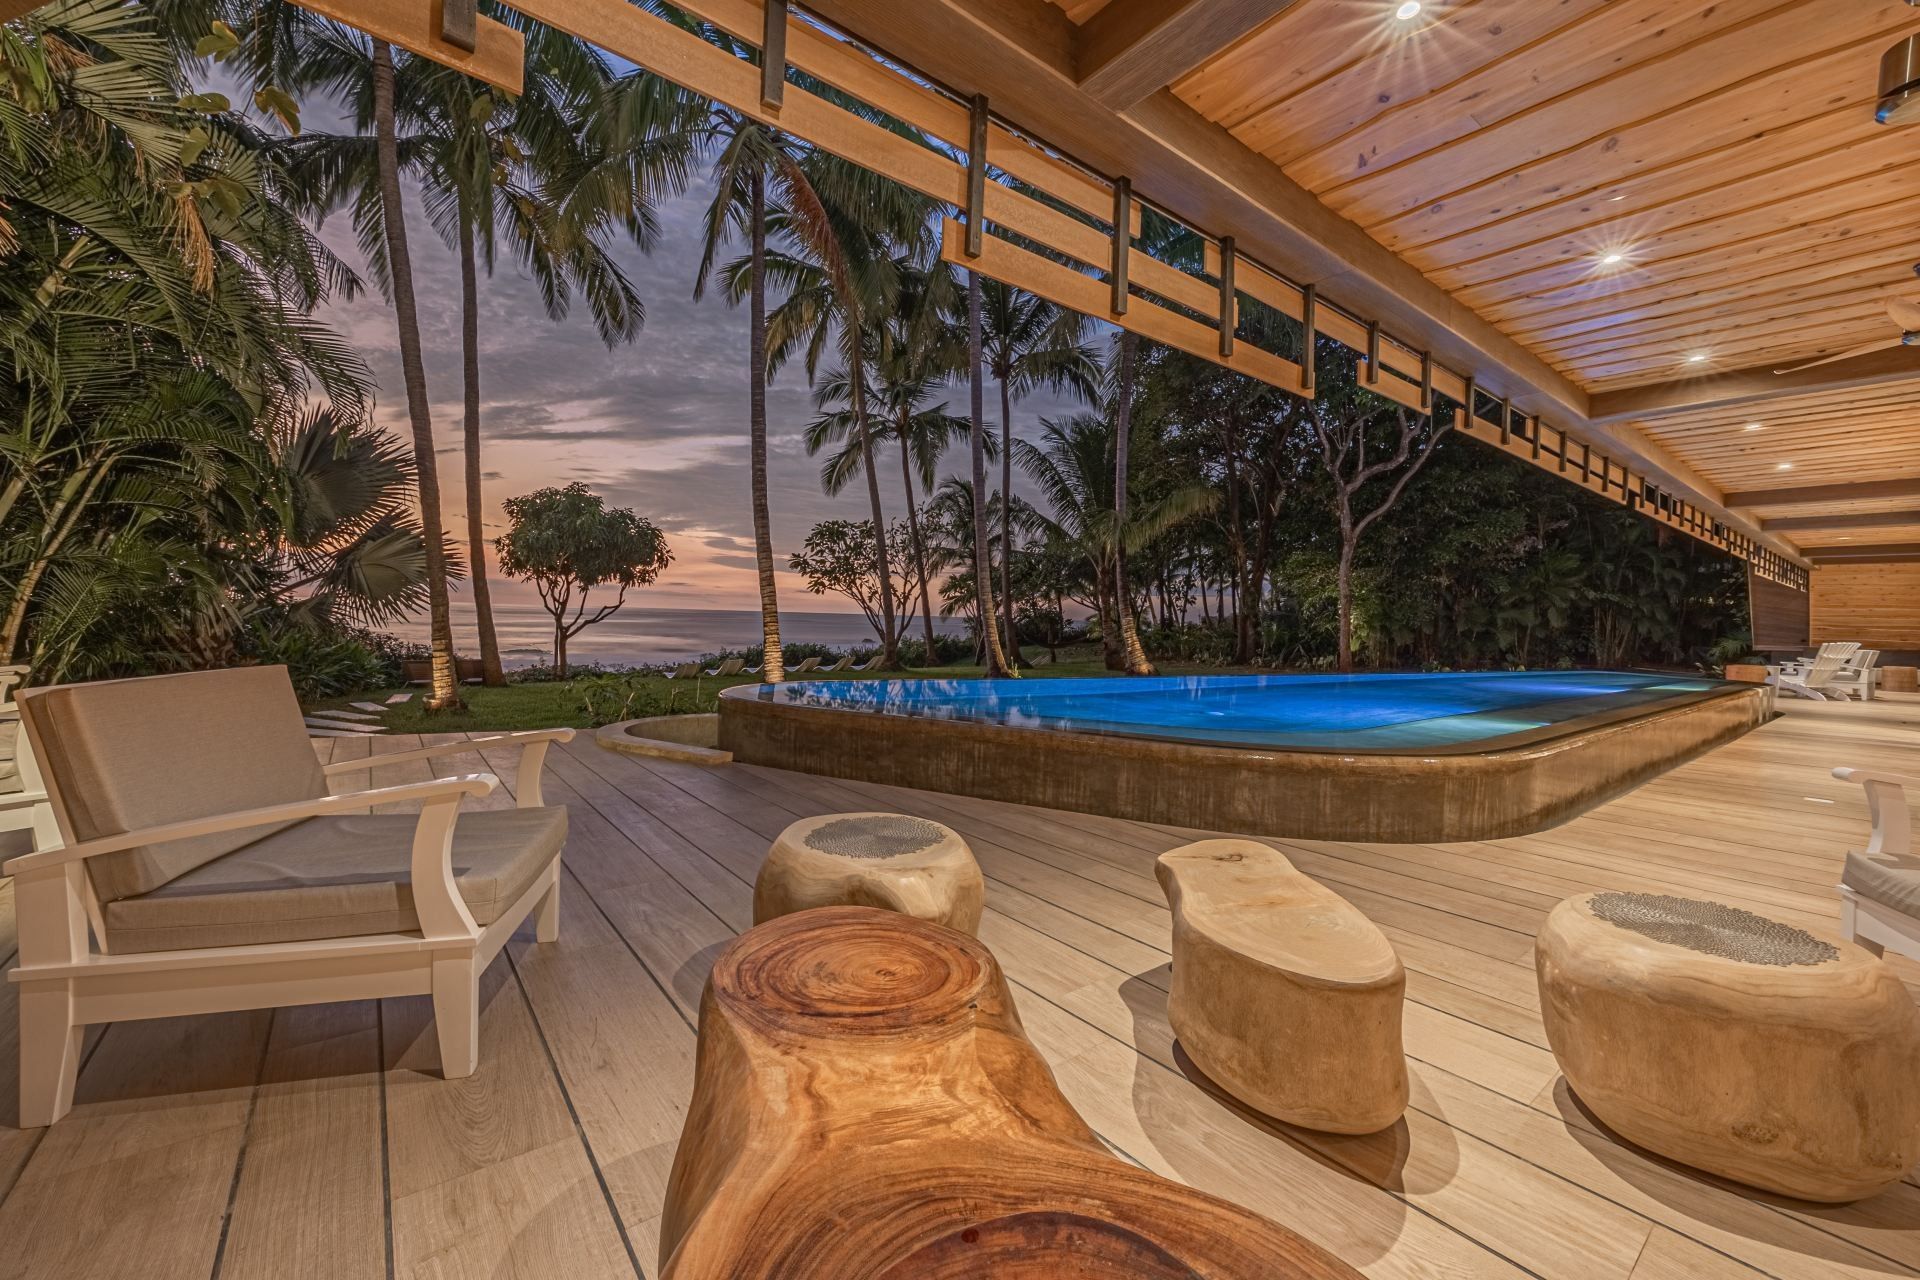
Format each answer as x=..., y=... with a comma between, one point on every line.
x=635, y=635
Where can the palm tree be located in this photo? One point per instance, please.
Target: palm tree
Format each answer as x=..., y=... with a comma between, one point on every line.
x=1074, y=469
x=1029, y=343
x=855, y=236
x=903, y=384
x=977, y=450
x=552, y=172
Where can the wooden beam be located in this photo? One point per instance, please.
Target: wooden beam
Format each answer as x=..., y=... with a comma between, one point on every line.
x=1865, y=552
x=498, y=56
x=1864, y=490
x=1851, y=520
x=1133, y=48
x=1754, y=386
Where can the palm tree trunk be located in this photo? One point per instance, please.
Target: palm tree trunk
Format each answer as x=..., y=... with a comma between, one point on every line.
x=445, y=691
x=773, y=669
x=490, y=669
x=919, y=544
x=1131, y=651
x=1006, y=522
x=982, y=560
x=889, y=630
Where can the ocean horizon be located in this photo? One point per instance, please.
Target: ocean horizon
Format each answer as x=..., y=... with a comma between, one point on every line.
x=635, y=637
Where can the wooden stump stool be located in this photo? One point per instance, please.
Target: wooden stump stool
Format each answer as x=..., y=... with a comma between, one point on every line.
x=867, y=1107
x=1734, y=1043
x=886, y=860
x=1283, y=993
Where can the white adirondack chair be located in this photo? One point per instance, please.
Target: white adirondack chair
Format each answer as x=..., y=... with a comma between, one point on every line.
x=1816, y=679
x=206, y=868
x=1859, y=674
x=1880, y=885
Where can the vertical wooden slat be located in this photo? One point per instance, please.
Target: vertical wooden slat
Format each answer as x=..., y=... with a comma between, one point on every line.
x=1122, y=243
x=976, y=175
x=1309, y=307
x=773, y=56
x=1506, y=420
x=459, y=24
x=1426, y=382
x=1229, y=309
x=1373, y=351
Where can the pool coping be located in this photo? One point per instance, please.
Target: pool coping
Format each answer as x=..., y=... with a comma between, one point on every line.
x=1417, y=796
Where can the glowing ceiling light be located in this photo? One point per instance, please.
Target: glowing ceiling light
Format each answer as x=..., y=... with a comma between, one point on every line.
x=1784, y=466
x=1752, y=426
x=1411, y=9
x=1611, y=258
x=1698, y=357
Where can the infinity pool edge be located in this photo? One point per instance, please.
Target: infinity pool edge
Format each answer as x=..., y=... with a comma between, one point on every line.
x=1412, y=797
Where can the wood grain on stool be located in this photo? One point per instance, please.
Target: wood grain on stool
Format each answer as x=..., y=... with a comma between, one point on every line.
x=1733, y=1043
x=866, y=1106
x=1283, y=993
x=891, y=861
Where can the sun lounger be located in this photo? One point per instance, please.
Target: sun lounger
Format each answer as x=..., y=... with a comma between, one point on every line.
x=1816, y=679
x=685, y=671
x=845, y=664
x=1880, y=885
x=731, y=667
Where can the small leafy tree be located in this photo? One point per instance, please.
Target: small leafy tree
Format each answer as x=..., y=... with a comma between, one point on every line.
x=838, y=558
x=567, y=542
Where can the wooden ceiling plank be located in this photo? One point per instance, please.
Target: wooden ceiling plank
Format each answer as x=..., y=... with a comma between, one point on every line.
x=1859, y=520
x=1491, y=215
x=1727, y=334
x=1649, y=244
x=1309, y=42
x=1133, y=48
x=1677, y=328
x=1410, y=63
x=1799, y=495
x=1698, y=95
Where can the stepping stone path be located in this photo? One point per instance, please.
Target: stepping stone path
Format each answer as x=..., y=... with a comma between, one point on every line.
x=346, y=715
x=340, y=723
x=378, y=708
x=394, y=700
x=341, y=728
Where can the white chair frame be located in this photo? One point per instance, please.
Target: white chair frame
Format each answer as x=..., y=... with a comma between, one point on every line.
x=66, y=984
x=26, y=809
x=1875, y=925
x=1814, y=679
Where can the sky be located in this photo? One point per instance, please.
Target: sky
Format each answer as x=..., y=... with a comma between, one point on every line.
x=658, y=425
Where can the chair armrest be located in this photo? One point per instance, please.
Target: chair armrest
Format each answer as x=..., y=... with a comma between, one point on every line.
x=526, y=786
x=440, y=789
x=1887, y=803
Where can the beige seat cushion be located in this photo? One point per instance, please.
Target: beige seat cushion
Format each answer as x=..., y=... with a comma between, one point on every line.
x=127, y=754
x=335, y=877
x=1890, y=880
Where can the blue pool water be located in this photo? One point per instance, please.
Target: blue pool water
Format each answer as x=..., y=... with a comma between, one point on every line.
x=1326, y=713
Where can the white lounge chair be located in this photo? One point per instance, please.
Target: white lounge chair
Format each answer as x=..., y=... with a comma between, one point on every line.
x=685, y=671
x=845, y=664
x=810, y=665
x=214, y=872
x=23, y=795
x=1859, y=674
x=1880, y=885
x=1815, y=680
x=731, y=667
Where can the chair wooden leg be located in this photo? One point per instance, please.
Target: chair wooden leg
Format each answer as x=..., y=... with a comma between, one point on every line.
x=546, y=916
x=456, y=1014
x=49, y=1053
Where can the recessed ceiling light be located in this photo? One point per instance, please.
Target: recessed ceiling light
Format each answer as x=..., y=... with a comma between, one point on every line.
x=1615, y=199
x=1784, y=466
x=1753, y=426
x=1411, y=9
x=1697, y=357
x=1611, y=258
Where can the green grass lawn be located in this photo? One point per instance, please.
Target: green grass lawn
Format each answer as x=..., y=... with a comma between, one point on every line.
x=552, y=705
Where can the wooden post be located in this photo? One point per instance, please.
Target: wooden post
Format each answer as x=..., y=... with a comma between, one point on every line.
x=1373, y=351
x=459, y=24
x=1122, y=243
x=1308, y=336
x=773, y=56
x=1426, y=383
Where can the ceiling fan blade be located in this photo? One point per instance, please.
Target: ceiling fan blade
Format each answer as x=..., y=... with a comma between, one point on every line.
x=1904, y=313
x=1841, y=355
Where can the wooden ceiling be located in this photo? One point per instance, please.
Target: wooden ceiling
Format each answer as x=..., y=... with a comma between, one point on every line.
x=1725, y=155
x=1726, y=152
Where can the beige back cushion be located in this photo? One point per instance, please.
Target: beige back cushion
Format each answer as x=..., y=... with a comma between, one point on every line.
x=125, y=754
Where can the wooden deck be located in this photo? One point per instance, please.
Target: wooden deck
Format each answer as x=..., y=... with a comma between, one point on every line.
x=320, y=1141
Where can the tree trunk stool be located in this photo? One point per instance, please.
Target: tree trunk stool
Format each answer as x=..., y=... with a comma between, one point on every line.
x=1283, y=993
x=1733, y=1043
x=866, y=1106
x=886, y=860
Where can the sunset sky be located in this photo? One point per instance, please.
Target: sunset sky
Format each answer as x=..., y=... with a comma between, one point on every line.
x=658, y=425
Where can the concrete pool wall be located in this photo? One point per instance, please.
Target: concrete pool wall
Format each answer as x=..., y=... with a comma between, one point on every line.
x=1416, y=797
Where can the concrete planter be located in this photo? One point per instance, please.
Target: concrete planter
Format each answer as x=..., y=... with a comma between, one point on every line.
x=691, y=739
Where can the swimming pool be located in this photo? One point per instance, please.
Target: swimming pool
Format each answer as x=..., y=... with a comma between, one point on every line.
x=1397, y=757
x=1390, y=712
